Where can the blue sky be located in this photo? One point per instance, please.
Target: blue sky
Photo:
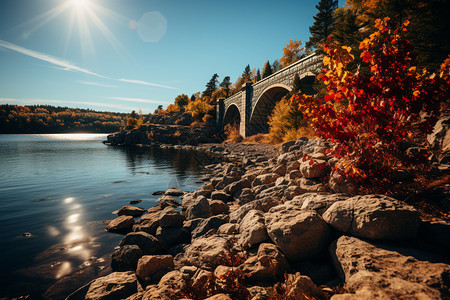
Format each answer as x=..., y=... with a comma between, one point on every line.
x=123, y=55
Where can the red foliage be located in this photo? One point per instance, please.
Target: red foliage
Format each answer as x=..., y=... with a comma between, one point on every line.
x=393, y=105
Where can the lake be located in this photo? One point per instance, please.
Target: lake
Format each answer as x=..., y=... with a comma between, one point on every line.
x=57, y=192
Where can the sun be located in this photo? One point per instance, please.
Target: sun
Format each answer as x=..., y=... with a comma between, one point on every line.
x=80, y=4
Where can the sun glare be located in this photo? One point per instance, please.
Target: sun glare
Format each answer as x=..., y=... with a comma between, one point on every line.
x=80, y=4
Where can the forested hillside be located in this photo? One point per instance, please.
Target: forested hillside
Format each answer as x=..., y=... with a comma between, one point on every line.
x=50, y=119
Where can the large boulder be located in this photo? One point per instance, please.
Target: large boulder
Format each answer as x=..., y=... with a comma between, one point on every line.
x=121, y=223
x=316, y=201
x=169, y=287
x=252, y=229
x=148, y=244
x=117, y=285
x=148, y=222
x=151, y=268
x=314, y=168
x=199, y=209
x=268, y=266
x=300, y=234
x=170, y=217
x=374, y=217
x=374, y=272
x=125, y=258
x=207, y=253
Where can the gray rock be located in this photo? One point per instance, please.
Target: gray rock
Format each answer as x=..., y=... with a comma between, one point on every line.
x=125, y=258
x=117, y=285
x=375, y=272
x=300, y=234
x=374, y=217
x=252, y=229
x=147, y=243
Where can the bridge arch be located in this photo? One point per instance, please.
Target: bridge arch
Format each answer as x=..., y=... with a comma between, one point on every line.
x=232, y=115
x=264, y=105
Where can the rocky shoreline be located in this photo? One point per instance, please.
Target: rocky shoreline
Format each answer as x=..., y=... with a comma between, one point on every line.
x=274, y=224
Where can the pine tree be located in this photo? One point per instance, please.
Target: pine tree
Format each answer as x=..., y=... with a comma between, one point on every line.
x=323, y=23
x=247, y=74
x=211, y=86
x=267, y=70
x=276, y=65
x=225, y=84
x=258, y=75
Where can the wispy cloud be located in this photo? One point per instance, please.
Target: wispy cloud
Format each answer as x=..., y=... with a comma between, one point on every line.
x=68, y=66
x=147, y=83
x=48, y=58
x=136, y=100
x=33, y=101
x=93, y=83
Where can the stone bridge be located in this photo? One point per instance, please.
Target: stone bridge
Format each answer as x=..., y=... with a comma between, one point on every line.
x=252, y=106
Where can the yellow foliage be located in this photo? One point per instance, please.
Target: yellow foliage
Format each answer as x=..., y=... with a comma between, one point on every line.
x=291, y=53
x=172, y=108
x=199, y=108
x=232, y=134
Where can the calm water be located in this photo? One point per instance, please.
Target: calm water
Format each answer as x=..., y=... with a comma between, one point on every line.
x=62, y=188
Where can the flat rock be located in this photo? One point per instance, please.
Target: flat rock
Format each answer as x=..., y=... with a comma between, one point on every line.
x=373, y=272
x=131, y=211
x=121, y=223
x=117, y=285
x=374, y=217
x=316, y=201
x=265, y=179
x=299, y=234
x=174, y=192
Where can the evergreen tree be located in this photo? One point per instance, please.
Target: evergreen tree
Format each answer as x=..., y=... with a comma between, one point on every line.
x=246, y=75
x=258, y=76
x=276, y=65
x=211, y=86
x=323, y=23
x=267, y=70
x=193, y=98
x=225, y=84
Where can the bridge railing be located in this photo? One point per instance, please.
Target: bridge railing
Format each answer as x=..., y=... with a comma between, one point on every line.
x=309, y=62
x=233, y=97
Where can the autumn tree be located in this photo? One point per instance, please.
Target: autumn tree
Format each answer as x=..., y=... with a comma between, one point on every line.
x=246, y=75
x=181, y=101
x=323, y=23
x=291, y=53
x=211, y=86
x=267, y=70
x=275, y=66
x=225, y=84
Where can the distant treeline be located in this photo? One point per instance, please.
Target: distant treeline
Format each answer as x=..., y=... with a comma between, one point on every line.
x=50, y=119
